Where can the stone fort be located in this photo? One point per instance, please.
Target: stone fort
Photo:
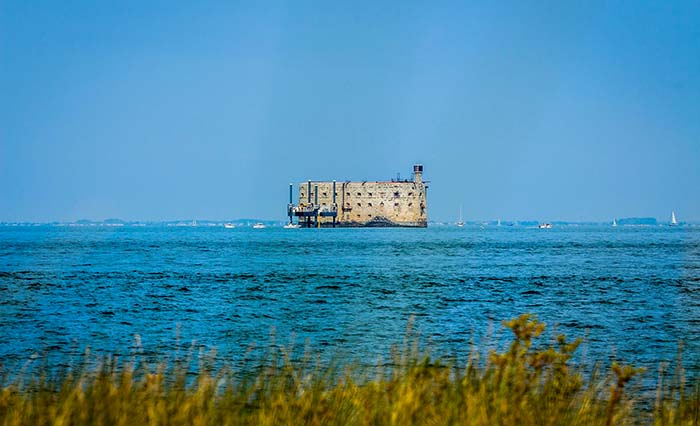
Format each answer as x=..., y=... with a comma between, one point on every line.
x=398, y=203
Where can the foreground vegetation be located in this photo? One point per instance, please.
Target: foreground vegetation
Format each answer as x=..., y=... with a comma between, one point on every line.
x=528, y=383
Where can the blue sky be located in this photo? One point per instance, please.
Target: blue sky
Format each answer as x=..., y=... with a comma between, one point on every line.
x=175, y=110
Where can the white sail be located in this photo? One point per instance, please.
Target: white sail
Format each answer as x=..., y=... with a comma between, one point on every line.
x=673, y=219
x=461, y=222
x=614, y=222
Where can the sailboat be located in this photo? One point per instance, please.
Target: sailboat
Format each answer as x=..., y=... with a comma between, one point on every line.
x=614, y=222
x=461, y=222
x=674, y=222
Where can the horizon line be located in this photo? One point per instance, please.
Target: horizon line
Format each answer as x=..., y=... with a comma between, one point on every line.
x=113, y=221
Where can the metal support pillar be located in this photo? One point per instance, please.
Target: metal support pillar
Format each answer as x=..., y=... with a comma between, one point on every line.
x=318, y=224
x=334, y=204
x=291, y=206
x=308, y=218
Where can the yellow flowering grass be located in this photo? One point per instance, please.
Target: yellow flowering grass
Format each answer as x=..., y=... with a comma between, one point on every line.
x=528, y=383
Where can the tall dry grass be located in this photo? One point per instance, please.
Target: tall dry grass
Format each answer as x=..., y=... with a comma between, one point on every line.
x=529, y=383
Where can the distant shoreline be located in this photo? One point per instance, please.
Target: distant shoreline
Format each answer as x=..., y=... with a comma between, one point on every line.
x=631, y=222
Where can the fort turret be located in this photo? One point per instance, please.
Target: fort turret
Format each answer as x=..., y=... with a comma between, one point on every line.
x=418, y=173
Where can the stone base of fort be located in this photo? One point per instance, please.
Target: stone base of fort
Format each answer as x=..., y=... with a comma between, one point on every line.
x=380, y=223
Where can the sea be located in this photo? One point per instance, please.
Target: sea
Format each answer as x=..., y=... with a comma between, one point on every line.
x=632, y=293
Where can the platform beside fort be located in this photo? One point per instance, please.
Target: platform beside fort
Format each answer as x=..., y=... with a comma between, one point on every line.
x=393, y=203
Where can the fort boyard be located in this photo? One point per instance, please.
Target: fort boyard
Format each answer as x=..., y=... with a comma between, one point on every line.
x=393, y=203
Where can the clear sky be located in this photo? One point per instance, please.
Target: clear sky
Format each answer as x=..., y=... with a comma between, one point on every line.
x=554, y=110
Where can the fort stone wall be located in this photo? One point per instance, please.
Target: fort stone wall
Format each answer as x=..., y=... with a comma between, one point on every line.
x=388, y=203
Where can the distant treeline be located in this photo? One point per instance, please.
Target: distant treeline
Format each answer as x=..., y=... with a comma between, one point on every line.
x=637, y=221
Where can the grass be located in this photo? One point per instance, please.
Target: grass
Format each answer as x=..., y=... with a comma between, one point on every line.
x=529, y=383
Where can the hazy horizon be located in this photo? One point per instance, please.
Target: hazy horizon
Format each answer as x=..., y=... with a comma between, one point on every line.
x=660, y=221
x=164, y=111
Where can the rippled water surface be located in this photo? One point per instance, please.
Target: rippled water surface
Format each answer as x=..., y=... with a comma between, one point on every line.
x=631, y=291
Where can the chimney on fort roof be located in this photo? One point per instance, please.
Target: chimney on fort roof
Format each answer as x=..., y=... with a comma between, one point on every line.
x=418, y=173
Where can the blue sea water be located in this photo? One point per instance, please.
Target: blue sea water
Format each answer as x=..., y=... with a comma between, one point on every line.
x=632, y=292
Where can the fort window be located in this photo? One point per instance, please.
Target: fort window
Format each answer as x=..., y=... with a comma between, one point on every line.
x=359, y=204
x=369, y=194
x=410, y=204
x=410, y=194
x=347, y=193
x=396, y=204
x=369, y=215
x=396, y=194
x=381, y=204
x=325, y=194
x=358, y=215
x=369, y=204
x=359, y=194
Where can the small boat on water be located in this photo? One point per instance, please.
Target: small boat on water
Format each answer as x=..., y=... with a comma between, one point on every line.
x=461, y=222
x=291, y=225
x=545, y=226
x=614, y=222
x=229, y=225
x=674, y=222
x=259, y=225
